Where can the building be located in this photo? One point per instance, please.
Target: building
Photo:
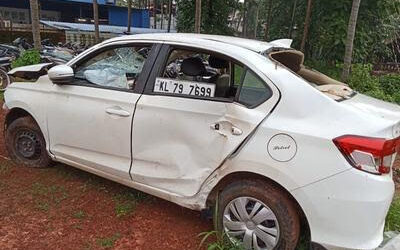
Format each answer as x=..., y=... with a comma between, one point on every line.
x=74, y=11
x=83, y=33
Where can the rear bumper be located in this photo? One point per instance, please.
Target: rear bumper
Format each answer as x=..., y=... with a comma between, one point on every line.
x=347, y=210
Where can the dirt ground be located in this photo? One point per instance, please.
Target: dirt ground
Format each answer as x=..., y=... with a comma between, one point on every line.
x=65, y=208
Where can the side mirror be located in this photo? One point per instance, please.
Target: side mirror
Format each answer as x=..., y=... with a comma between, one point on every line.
x=61, y=74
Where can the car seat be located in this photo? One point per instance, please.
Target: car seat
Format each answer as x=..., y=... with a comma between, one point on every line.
x=223, y=81
x=193, y=67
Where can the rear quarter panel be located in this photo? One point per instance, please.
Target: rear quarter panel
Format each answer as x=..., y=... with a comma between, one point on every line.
x=312, y=120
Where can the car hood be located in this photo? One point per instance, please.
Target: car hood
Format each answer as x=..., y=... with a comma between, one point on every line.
x=31, y=72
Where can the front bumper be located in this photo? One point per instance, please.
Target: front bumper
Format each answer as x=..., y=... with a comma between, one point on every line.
x=347, y=210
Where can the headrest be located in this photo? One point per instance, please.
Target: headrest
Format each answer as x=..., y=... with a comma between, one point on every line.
x=218, y=63
x=193, y=66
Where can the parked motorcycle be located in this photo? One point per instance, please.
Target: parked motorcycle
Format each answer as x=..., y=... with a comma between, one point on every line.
x=8, y=54
x=50, y=53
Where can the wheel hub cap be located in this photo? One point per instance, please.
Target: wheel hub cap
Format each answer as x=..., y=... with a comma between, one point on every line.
x=27, y=144
x=251, y=223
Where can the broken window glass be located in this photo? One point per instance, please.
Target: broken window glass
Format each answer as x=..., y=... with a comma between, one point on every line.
x=118, y=67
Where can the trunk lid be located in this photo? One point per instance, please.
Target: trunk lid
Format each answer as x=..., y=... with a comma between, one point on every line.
x=379, y=109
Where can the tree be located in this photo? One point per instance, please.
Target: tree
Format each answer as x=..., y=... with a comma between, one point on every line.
x=169, y=15
x=306, y=26
x=269, y=19
x=96, y=21
x=197, y=19
x=155, y=13
x=245, y=18
x=292, y=19
x=351, y=31
x=129, y=16
x=35, y=23
x=214, y=16
x=162, y=14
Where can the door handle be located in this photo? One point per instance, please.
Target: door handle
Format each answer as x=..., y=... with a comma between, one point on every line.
x=220, y=125
x=236, y=131
x=117, y=111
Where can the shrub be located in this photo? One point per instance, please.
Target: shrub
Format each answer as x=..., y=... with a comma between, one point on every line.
x=362, y=81
x=385, y=87
x=391, y=86
x=28, y=57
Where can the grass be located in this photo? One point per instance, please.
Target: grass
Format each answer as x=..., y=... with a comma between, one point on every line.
x=126, y=201
x=221, y=242
x=108, y=242
x=79, y=214
x=47, y=196
x=393, y=217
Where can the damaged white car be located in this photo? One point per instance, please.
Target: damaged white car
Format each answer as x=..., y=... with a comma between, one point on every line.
x=211, y=122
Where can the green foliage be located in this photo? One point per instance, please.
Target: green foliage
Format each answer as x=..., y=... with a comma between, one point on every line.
x=214, y=14
x=79, y=214
x=385, y=87
x=391, y=86
x=108, y=242
x=46, y=196
x=393, y=217
x=28, y=57
x=221, y=242
x=126, y=202
x=362, y=81
x=377, y=25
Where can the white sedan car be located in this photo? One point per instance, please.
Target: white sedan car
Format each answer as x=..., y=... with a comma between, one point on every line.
x=211, y=122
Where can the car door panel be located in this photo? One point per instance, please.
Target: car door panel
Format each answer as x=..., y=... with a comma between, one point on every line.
x=178, y=141
x=175, y=143
x=90, y=123
x=85, y=127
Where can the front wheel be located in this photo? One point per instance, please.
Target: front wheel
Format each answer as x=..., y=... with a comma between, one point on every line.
x=25, y=143
x=257, y=215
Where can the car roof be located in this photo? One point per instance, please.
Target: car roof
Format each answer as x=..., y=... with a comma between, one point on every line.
x=189, y=38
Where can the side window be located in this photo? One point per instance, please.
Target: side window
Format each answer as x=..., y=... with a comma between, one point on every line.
x=237, y=74
x=253, y=91
x=194, y=73
x=116, y=67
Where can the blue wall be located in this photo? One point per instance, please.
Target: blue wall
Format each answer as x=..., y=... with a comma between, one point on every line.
x=119, y=17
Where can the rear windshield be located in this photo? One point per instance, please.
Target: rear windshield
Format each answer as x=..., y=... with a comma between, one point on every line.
x=294, y=60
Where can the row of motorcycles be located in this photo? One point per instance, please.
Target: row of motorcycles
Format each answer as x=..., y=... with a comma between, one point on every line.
x=49, y=53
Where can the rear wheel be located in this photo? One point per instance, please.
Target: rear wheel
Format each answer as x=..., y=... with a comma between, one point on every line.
x=25, y=143
x=257, y=215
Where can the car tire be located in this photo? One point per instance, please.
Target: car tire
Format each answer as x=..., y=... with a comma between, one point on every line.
x=25, y=143
x=281, y=215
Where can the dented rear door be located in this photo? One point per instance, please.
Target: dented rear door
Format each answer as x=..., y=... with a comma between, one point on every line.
x=179, y=141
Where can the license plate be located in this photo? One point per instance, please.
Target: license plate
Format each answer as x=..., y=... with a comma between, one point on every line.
x=181, y=87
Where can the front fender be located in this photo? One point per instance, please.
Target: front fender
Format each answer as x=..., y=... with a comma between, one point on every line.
x=32, y=102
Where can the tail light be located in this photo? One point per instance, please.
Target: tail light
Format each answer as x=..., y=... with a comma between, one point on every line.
x=372, y=155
